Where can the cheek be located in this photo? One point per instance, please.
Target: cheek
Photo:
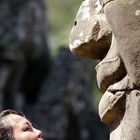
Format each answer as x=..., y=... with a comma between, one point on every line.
x=110, y=12
x=115, y=16
x=25, y=136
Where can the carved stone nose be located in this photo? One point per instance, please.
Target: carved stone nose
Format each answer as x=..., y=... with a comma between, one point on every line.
x=90, y=36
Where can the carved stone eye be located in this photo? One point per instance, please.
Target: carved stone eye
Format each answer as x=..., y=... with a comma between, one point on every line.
x=105, y=2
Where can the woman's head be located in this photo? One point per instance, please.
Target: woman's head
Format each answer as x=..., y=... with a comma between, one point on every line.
x=15, y=126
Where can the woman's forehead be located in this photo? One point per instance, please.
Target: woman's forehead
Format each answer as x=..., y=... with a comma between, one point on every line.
x=14, y=119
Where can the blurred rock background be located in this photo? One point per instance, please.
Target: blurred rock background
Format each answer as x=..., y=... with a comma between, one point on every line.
x=41, y=77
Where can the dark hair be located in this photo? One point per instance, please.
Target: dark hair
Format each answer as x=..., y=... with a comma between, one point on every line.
x=6, y=130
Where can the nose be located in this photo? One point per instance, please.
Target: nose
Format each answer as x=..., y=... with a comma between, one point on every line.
x=38, y=133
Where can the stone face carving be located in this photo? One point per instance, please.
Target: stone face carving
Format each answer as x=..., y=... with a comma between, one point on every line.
x=118, y=73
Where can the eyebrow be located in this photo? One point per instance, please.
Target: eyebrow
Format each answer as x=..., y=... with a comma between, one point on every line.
x=28, y=123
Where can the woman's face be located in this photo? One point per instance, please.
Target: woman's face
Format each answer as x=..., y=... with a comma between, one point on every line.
x=23, y=130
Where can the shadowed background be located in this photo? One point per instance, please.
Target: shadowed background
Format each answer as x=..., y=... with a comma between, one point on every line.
x=41, y=77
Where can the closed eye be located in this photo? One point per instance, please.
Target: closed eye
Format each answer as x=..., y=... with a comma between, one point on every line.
x=27, y=127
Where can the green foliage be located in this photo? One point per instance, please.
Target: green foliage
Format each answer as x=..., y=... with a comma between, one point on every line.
x=61, y=15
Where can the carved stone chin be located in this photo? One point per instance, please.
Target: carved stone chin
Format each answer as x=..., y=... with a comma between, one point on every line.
x=112, y=106
x=112, y=103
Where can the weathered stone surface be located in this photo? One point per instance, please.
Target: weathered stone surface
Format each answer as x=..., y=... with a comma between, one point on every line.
x=127, y=125
x=91, y=34
x=126, y=33
x=111, y=69
x=118, y=74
